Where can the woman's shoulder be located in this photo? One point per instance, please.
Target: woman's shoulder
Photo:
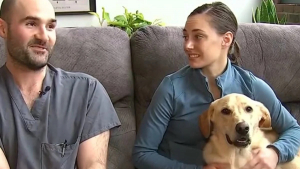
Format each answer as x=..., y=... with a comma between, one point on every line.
x=249, y=78
x=178, y=81
x=181, y=73
x=245, y=74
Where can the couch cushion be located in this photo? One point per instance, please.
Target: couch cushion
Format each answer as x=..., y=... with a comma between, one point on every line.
x=271, y=52
x=158, y=51
x=155, y=51
x=105, y=54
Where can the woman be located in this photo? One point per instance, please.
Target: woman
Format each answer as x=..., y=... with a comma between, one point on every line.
x=169, y=134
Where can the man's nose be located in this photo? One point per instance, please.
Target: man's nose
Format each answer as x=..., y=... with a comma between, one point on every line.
x=242, y=128
x=42, y=34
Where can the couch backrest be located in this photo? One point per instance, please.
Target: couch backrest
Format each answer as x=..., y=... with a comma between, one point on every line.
x=105, y=54
x=271, y=52
x=156, y=52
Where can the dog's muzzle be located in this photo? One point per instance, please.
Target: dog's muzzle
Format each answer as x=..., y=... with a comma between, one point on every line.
x=243, y=139
x=241, y=142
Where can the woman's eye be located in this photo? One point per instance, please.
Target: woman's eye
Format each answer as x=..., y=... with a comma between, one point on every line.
x=198, y=36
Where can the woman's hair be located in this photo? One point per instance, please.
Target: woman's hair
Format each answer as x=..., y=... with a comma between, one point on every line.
x=223, y=20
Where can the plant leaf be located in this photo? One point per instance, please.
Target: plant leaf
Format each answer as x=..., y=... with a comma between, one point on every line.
x=121, y=18
x=271, y=11
x=105, y=15
x=128, y=31
x=126, y=13
x=283, y=20
x=253, y=16
x=258, y=14
x=117, y=24
x=264, y=13
x=157, y=22
x=140, y=16
x=97, y=15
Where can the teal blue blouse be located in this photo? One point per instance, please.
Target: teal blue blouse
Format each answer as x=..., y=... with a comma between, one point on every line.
x=169, y=135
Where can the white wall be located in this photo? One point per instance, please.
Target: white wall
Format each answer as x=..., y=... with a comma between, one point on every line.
x=172, y=12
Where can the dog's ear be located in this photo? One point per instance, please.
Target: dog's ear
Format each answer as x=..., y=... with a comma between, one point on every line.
x=265, y=121
x=205, y=121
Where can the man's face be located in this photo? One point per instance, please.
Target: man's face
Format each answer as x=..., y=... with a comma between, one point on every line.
x=31, y=33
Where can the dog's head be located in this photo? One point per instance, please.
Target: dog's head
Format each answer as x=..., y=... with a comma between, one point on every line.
x=236, y=117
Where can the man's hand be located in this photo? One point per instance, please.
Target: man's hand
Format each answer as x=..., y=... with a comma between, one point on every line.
x=217, y=166
x=265, y=158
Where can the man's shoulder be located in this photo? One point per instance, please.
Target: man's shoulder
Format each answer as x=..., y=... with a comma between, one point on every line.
x=72, y=76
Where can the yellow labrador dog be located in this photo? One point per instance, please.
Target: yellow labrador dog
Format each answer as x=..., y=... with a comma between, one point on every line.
x=235, y=125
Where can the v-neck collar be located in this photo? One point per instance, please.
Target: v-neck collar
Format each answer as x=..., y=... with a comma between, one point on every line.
x=17, y=98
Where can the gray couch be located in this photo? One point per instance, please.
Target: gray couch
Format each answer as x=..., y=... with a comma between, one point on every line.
x=131, y=68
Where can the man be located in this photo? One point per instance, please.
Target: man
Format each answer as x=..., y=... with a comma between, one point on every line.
x=49, y=118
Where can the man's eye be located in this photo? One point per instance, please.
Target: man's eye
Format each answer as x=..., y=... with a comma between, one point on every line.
x=51, y=26
x=30, y=24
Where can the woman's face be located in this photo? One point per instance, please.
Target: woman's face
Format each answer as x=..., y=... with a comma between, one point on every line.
x=202, y=43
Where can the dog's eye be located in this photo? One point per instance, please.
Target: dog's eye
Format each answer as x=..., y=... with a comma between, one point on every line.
x=226, y=111
x=249, y=109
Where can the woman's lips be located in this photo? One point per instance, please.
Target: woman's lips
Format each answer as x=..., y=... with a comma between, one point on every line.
x=194, y=56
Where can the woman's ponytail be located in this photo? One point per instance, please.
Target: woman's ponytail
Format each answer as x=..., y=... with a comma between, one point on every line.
x=234, y=53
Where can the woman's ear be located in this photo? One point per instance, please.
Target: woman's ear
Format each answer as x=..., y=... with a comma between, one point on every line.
x=3, y=29
x=227, y=39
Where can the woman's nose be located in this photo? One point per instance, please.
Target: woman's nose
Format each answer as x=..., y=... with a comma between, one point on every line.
x=189, y=45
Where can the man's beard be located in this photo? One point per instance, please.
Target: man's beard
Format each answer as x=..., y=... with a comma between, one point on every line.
x=24, y=56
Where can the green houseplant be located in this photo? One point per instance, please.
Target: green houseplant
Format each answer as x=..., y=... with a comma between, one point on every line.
x=129, y=22
x=266, y=13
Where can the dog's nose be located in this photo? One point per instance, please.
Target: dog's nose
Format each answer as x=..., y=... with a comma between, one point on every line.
x=242, y=128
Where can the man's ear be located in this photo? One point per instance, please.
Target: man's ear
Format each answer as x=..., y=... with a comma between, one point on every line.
x=265, y=121
x=205, y=121
x=227, y=39
x=3, y=28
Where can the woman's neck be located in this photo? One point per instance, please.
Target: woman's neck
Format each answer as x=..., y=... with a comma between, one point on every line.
x=215, y=69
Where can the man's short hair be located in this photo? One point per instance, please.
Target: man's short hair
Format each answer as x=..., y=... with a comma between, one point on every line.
x=6, y=6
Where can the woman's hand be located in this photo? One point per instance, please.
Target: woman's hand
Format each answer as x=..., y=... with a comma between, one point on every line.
x=217, y=166
x=265, y=158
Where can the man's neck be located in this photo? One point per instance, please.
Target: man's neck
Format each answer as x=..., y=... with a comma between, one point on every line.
x=27, y=80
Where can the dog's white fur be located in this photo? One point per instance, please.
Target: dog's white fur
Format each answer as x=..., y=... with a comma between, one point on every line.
x=219, y=150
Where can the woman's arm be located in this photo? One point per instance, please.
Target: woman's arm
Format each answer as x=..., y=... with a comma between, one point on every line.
x=152, y=130
x=282, y=121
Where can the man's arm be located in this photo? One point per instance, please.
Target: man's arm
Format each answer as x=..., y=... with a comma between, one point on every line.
x=3, y=160
x=92, y=153
x=101, y=117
